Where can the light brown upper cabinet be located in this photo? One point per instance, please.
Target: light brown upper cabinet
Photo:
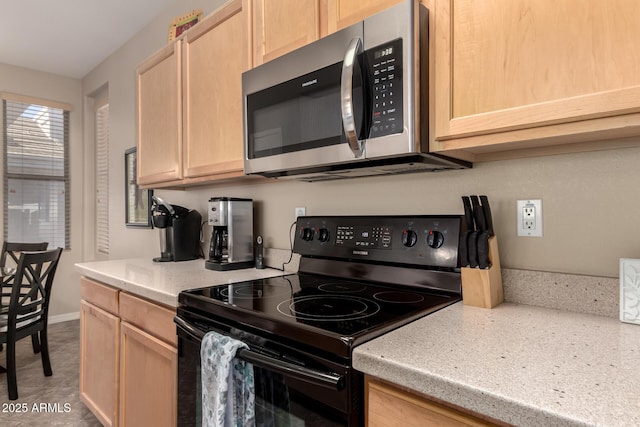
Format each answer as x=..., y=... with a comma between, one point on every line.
x=190, y=103
x=342, y=13
x=542, y=76
x=282, y=26
x=215, y=54
x=159, y=119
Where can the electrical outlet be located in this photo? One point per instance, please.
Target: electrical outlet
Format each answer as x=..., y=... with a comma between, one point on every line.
x=529, y=218
x=301, y=211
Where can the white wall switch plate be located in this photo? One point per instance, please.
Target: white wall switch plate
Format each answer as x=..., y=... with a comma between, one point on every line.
x=630, y=290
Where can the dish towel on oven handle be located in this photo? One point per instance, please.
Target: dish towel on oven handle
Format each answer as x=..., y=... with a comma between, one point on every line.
x=228, y=391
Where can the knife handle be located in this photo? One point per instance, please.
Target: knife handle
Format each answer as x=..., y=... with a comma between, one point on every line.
x=478, y=213
x=472, y=248
x=483, y=250
x=464, y=254
x=468, y=212
x=488, y=219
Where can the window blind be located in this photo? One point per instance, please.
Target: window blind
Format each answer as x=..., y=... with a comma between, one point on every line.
x=102, y=179
x=36, y=173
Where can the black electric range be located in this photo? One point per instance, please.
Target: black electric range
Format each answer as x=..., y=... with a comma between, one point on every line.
x=359, y=277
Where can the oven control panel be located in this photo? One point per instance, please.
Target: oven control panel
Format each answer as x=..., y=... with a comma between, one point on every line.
x=424, y=240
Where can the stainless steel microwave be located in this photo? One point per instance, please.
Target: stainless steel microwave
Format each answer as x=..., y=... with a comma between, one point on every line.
x=354, y=103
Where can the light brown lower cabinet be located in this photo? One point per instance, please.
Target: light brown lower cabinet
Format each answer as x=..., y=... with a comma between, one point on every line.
x=389, y=406
x=128, y=358
x=99, y=353
x=148, y=386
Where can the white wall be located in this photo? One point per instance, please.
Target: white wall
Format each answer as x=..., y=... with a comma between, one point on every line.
x=65, y=296
x=590, y=205
x=118, y=72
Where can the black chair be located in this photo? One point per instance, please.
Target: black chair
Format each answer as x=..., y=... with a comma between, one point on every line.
x=28, y=309
x=9, y=258
x=12, y=250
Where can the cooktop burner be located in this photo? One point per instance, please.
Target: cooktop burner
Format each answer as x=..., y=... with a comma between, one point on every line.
x=342, y=287
x=328, y=308
x=400, y=297
x=248, y=290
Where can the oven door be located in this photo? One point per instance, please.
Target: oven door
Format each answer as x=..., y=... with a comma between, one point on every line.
x=291, y=389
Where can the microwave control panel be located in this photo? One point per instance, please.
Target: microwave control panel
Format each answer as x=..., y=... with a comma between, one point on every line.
x=385, y=74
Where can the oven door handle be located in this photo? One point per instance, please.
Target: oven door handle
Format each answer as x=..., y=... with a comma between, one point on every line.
x=329, y=380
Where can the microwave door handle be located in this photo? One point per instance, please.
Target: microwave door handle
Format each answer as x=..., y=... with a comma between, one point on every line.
x=346, y=97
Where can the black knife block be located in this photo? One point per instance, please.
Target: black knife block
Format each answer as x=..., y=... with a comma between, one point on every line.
x=483, y=287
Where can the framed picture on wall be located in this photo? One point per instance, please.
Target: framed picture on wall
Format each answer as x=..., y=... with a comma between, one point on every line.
x=137, y=201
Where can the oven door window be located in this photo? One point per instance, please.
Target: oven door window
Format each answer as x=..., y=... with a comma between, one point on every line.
x=281, y=401
x=278, y=404
x=296, y=115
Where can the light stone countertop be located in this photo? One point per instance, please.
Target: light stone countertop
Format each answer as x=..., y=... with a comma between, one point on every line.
x=524, y=365
x=162, y=282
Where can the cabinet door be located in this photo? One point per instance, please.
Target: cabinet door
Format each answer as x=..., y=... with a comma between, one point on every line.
x=148, y=379
x=509, y=71
x=99, y=357
x=282, y=26
x=388, y=406
x=215, y=55
x=159, y=109
x=342, y=13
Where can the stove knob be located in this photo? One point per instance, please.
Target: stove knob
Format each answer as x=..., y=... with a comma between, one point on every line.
x=306, y=234
x=323, y=235
x=435, y=239
x=409, y=238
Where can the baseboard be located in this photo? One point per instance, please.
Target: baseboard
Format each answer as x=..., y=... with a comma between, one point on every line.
x=58, y=318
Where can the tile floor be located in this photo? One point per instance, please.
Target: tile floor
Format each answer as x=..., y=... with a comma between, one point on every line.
x=48, y=401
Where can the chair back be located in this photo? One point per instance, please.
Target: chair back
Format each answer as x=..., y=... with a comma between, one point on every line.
x=12, y=250
x=29, y=303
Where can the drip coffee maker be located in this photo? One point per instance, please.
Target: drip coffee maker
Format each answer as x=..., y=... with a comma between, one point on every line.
x=231, y=245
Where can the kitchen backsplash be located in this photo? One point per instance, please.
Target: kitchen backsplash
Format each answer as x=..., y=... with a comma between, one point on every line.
x=570, y=292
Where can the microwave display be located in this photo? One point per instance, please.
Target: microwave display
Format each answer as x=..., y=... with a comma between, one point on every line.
x=385, y=72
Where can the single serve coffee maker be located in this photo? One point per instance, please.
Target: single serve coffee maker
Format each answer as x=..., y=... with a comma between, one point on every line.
x=231, y=245
x=179, y=231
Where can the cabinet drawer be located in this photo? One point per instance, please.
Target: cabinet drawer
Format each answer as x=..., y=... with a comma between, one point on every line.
x=153, y=318
x=389, y=406
x=99, y=295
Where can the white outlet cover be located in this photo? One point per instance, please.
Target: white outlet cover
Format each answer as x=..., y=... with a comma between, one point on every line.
x=630, y=290
x=537, y=230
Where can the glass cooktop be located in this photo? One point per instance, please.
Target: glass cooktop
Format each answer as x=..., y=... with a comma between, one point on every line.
x=312, y=306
